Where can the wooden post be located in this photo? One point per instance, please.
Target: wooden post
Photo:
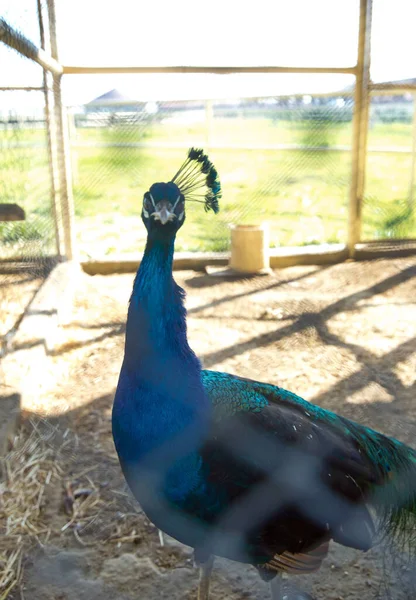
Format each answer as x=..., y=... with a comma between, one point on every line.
x=360, y=126
x=62, y=143
x=51, y=136
x=53, y=164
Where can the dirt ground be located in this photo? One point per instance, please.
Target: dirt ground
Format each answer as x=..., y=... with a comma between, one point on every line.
x=16, y=291
x=341, y=336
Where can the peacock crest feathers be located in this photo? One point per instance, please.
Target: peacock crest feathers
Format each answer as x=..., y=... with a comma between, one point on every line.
x=198, y=181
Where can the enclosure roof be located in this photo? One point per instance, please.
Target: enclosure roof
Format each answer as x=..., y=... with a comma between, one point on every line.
x=411, y=81
x=112, y=97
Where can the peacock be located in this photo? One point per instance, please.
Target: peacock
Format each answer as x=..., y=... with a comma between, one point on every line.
x=230, y=466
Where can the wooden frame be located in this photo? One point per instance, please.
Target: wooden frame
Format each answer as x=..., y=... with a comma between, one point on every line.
x=79, y=70
x=19, y=42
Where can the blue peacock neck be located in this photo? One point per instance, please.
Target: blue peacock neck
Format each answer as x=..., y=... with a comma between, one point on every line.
x=156, y=331
x=161, y=411
x=153, y=285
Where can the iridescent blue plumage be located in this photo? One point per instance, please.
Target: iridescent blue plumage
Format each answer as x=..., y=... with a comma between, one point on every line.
x=160, y=399
x=236, y=467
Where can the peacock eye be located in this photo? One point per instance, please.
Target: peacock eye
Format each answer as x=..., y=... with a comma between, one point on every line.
x=147, y=206
x=180, y=210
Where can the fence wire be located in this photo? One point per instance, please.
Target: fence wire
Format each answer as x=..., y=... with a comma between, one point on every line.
x=389, y=201
x=26, y=181
x=282, y=160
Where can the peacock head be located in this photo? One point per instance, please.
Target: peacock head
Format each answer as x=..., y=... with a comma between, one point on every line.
x=163, y=209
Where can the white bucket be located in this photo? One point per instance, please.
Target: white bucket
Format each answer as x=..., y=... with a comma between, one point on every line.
x=250, y=248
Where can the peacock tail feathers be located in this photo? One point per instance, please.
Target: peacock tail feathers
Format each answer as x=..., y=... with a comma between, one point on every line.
x=197, y=179
x=395, y=500
x=395, y=464
x=392, y=494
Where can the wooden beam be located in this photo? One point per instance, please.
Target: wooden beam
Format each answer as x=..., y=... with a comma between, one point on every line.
x=392, y=88
x=14, y=39
x=198, y=261
x=10, y=404
x=11, y=212
x=374, y=250
x=21, y=88
x=83, y=70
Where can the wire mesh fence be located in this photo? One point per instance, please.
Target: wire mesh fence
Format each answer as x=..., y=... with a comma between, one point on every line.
x=389, y=202
x=26, y=181
x=286, y=160
x=27, y=246
x=282, y=159
x=24, y=161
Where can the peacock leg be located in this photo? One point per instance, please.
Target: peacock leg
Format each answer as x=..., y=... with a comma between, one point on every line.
x=205, y=570
x=281, y=590
x=277, y=588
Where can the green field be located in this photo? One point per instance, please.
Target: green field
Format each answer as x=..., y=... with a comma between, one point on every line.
x=303, y=194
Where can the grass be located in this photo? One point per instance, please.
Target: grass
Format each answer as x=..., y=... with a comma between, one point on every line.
x=302, y=194
x=24, y=180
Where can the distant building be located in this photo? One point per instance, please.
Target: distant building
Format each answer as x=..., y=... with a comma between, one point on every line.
x=115, y=108
x=113, y=102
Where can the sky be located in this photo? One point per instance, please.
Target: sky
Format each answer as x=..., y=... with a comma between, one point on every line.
x=219, y=32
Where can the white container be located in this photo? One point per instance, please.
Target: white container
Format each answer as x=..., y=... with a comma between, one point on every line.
x=250, y=249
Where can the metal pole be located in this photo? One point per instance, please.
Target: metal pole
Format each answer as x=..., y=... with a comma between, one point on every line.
x=62, y=142
x=413, y=164
x=360, y=125
x=51, y=146
x=19, y=42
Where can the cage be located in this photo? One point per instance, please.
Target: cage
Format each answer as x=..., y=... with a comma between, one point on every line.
x=311, y=133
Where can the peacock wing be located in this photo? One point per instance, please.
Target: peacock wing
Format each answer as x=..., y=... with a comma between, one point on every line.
x=297, y=464
x=288, y=419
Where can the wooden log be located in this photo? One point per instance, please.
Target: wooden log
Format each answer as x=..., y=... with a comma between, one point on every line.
x=9, y=421
x=11, y=212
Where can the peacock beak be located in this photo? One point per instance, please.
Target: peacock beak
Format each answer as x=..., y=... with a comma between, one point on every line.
x=164, y=215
